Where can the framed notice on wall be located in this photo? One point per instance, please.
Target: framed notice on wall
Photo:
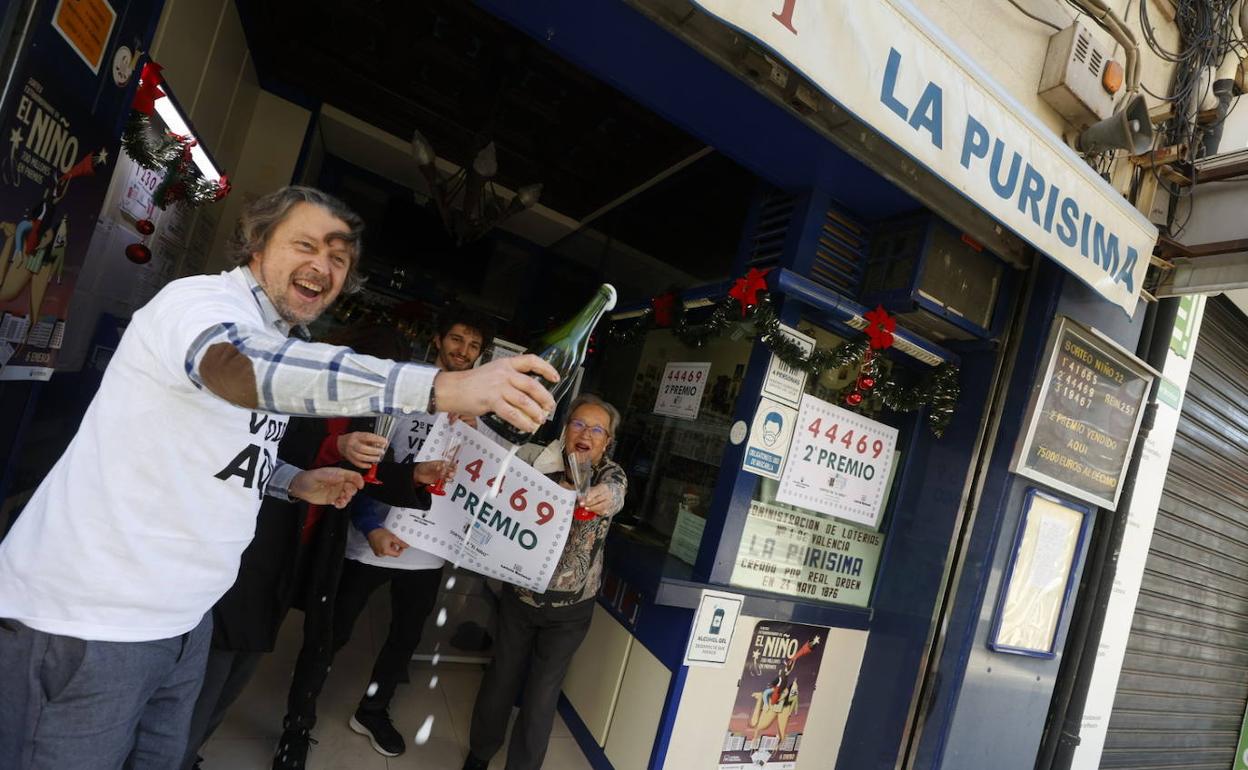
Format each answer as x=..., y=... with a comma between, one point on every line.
x=1084, y=415
x=1040, y=575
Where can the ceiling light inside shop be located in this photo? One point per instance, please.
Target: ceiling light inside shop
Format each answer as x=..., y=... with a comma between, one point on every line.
x=172, y=116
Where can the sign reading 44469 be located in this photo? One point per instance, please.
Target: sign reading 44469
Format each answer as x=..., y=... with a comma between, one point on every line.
x=839, y=463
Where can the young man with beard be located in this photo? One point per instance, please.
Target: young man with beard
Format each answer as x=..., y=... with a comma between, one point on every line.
x=376, y=556
x=107, y=576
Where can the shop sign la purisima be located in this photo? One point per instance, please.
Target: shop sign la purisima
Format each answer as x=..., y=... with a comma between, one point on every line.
x=892, y=68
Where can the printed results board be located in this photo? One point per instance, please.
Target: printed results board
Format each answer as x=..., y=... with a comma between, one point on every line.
x=1084, y=416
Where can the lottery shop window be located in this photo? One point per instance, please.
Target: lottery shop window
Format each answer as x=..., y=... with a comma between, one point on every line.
x=672, y=462
x=790, y=550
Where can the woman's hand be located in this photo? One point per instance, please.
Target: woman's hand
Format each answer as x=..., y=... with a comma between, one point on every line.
x=433, y=471
x=361, y=448
x=598, y=499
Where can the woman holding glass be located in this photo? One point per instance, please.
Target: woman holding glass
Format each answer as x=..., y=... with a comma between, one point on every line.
x=539, y=633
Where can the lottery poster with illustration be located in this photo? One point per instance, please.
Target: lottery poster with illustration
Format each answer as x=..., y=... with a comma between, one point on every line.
x=60, y=127
x=515, y=535
x=773, y=697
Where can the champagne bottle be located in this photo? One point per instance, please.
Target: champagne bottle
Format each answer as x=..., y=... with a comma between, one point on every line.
x=564, y=349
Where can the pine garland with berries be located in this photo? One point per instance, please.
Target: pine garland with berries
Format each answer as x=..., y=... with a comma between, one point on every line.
x=746, y=306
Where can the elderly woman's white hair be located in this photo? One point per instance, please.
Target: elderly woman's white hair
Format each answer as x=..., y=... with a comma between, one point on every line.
x=613, y=414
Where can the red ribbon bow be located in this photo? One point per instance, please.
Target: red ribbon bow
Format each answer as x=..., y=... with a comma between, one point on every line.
x=149, y=89
x=880, y=328
x=664, y=309
x=745, y=290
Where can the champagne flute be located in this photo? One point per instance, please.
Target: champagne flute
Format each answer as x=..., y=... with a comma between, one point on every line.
x=579, y=469
x=382, y=428
x=450, y=453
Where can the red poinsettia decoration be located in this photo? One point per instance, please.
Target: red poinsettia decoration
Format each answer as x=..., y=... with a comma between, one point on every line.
x=880, y=328
x=745, y=290
x=149, y=89
x=664, y=309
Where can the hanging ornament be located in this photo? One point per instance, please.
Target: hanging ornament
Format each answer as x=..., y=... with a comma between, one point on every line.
x=866, y=382
x=139, y=253
x=854, y=399
x=145, y=227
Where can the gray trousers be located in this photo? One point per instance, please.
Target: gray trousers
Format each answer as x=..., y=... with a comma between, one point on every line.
x=225, y=678
x=540, y=641
x=70, y=703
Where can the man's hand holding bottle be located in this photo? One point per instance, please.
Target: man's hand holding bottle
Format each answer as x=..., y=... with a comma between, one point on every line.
x=505, y=387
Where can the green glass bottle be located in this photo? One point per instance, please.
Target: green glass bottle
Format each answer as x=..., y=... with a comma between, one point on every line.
x=563, y=348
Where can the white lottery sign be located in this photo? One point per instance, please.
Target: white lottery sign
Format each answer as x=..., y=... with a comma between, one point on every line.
x=516, y=536
x=681, y=389
x=839, y=463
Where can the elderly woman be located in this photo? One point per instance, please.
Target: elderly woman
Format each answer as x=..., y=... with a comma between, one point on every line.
x=540, y=632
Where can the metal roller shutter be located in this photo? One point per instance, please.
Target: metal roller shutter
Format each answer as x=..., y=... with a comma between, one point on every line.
x=1184, y=683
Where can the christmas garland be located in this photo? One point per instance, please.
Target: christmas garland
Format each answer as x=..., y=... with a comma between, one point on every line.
x=872, y=388
x=166, y=153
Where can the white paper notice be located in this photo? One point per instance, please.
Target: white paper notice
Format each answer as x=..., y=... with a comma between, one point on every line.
x=680, y=391
x=783, y=382
x=516, y=536
x=839, y=463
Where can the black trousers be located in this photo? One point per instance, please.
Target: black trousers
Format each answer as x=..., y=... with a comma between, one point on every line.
x=541, y=641
x=225, y=678
x=412, y=595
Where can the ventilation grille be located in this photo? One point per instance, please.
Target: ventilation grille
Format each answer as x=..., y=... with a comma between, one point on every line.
x=774, y=217
x=1095, y=62
x=841, y=254
x=1082, y=44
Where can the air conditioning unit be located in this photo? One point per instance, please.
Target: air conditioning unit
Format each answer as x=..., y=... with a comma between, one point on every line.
x=936, y=280
x=1073, y=80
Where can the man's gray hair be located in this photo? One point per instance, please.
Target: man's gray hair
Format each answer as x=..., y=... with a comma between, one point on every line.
x=262, y=216
x=613, y=414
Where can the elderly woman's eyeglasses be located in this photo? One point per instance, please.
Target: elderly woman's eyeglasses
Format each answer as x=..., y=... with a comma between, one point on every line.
x=580, y=426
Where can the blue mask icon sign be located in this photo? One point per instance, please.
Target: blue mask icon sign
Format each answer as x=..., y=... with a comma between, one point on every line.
x=773, y=424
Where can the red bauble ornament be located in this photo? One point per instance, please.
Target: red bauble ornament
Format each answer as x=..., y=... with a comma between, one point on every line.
x=866, y=382
x=854, y=399
x=139, y=253
x=145, y=227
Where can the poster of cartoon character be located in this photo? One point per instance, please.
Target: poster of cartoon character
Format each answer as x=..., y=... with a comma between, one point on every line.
x=773, y=697
x=60, y=128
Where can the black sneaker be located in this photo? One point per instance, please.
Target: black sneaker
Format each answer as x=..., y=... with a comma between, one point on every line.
x=380, y=731
x=472, y=763
x=292, y=750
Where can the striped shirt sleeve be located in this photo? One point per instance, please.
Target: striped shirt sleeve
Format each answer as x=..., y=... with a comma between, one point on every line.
x=316, y=380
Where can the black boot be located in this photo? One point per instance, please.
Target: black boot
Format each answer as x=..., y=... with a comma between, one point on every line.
x=292, y=748
x=472, y=763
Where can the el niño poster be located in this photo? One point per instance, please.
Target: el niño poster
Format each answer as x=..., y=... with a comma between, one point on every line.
x=773, y=697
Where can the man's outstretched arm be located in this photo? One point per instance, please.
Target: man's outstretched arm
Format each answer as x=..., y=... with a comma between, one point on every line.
x=288, y=376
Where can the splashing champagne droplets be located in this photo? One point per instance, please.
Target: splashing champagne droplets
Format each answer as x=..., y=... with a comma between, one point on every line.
x=422, y=735
x=441, y=617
